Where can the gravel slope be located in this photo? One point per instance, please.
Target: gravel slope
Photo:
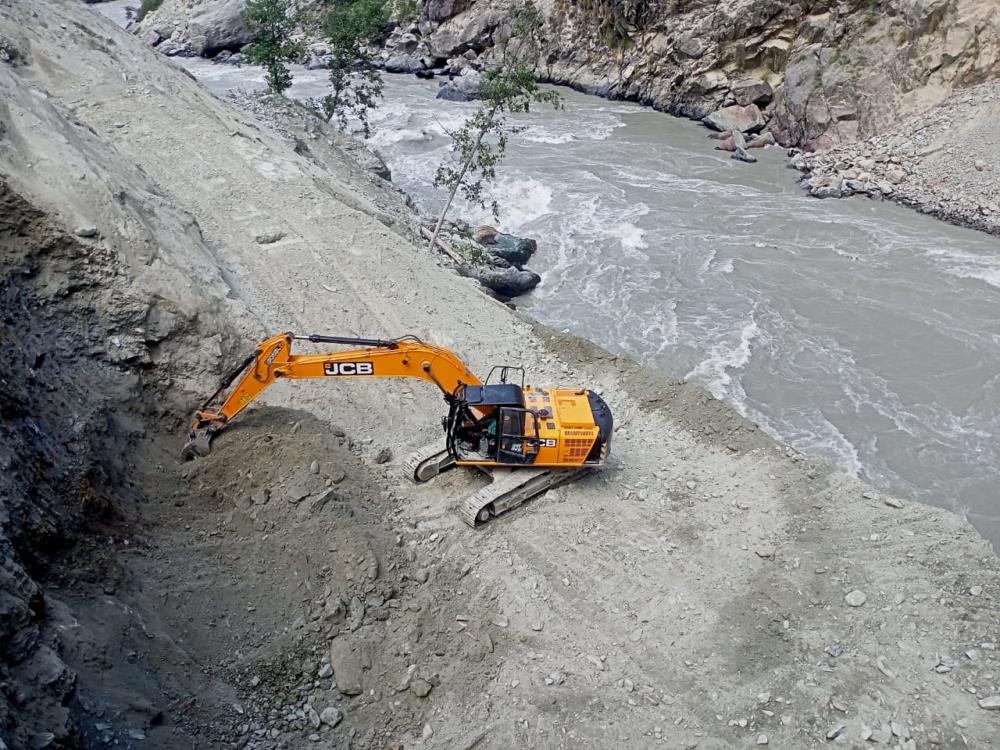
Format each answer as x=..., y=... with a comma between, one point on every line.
x=698, y=593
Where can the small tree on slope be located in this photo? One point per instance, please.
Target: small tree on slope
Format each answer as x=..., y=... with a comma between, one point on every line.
x=351, y=28
x=272, y=23
x=508, y=88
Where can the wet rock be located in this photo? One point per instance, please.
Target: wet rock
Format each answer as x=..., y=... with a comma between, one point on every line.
x=515, y=250
x=404, y=63
x=462, y=89
x=509, y=282
x=748, y=119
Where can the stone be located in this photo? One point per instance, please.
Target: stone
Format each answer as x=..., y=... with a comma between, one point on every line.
x=761, y=141
x=346, y=667
x=384, y=456
x=260, y=496
x=975, y=590
x=86, y=231
x=218, y=26
x=313, y=718
x=325, y=671
x=855, y=598
x=331, y=716
x=297, y=493
x=515, y=250
x=420, y=687
x=485, y=235
x=835, y=731
x=990, y=703
x=752, y=91
x=761, y=739
x=269, y=237
x=690, y=46
x=421, y=575
x=893, y=502
x=465, y=88
x=748, y=119
x=404, y=63
x=507, y=282
x=314, y=467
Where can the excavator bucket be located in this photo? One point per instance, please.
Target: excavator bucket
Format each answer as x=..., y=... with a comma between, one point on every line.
x=199, y=443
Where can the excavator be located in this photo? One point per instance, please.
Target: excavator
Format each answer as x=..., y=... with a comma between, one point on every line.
x=526, y=439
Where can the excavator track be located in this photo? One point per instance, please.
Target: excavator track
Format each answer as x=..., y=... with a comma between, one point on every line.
x=510, y=488
x=427, y=463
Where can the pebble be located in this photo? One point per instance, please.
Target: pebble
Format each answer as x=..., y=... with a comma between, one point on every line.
x=893, y=502
x=976, y=590
x=269, y=238
x=420, y=687
x=384, y=456
x=421, y=575
x=835, y=731
x=762, y=739
x=427, y=733
x=314, y=467
x=763, y=698
x=855, y=598
x=86, y=231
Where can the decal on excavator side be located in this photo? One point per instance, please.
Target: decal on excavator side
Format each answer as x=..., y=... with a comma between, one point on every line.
x=348, y=368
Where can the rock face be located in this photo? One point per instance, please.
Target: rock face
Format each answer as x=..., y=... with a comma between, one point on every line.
x=820, y=72
x=196, y=27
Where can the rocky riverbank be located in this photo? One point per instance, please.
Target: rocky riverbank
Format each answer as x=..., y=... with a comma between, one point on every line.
x=944, y=162
x=815, y=74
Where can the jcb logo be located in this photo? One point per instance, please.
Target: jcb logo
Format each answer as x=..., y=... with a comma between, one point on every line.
x=548, y=443
x=348, y=368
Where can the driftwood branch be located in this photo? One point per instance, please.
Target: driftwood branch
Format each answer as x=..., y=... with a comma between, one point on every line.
x=443, y=246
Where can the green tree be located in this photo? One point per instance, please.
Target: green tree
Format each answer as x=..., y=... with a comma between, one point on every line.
x=507, y=88
x=352, y=28
x=272, y=23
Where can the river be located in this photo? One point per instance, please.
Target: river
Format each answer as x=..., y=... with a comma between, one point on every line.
x=854, y=330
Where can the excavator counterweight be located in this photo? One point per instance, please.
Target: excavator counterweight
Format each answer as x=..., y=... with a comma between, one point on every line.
x=528, y=439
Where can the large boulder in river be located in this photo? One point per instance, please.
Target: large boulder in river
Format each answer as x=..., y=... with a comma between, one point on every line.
x=465, y=88
x=748, y=119
x=515, y=250
x=403, y=63
x=508, y=282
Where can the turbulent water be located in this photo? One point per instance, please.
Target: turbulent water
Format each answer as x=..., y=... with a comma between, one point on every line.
x=854, y=330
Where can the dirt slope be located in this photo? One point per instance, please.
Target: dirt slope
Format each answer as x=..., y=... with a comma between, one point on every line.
x=692, y=595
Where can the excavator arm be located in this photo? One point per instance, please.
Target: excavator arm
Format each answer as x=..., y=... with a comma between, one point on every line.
x=406, y=357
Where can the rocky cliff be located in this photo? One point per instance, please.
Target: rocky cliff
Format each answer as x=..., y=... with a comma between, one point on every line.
x=814, y=72
x=819, y=71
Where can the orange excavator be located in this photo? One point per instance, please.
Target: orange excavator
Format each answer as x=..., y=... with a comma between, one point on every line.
x=526, y=439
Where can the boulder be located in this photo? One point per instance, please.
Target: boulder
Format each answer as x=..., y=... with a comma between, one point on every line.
x=485, y=235
x=752, y=91
x=403, y=63
x=508, y=282
x=442, y=10
x=748, y=119
x=515, y=250
x=465, y=88
x=218, y=26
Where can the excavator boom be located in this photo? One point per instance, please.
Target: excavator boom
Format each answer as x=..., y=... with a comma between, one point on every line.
x=273, y=359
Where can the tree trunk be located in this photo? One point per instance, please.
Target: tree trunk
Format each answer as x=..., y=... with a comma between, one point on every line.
x=454, y=188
